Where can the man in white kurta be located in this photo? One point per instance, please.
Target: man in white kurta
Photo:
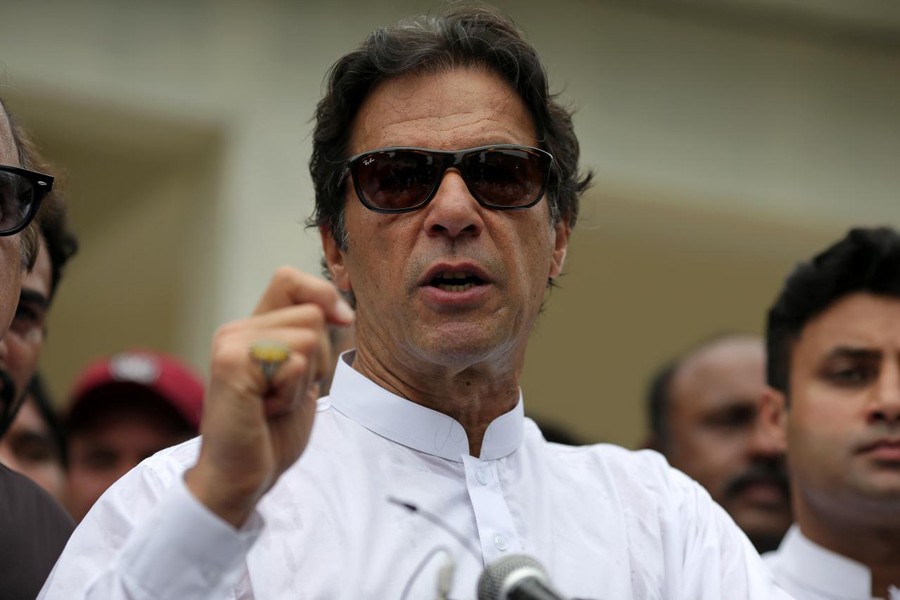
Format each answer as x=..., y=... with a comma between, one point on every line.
x=834, y=364
x=809, y=571
x=446, y=186
x=605, y=522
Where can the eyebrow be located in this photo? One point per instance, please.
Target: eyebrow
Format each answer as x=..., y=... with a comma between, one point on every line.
x=32, y=297
x=855, y=353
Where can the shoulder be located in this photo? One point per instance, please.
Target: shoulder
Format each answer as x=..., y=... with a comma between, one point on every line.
x=171, y=462
x=138, y=491
x=644, y=469
x=645, y=474
x=22, y=497
x=31, y=518
x=640, y=481
x=672, y=523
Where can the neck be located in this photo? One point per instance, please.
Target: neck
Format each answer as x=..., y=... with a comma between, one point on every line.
x=473, y=395
x=867, y=538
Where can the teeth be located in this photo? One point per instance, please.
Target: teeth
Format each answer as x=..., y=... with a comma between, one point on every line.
x=456, y=288
x=455, y=281
x=454, y=275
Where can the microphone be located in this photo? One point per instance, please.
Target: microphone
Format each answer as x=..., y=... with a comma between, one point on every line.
x=516, y=577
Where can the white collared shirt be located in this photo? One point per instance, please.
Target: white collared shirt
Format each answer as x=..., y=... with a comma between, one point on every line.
x=605, y=522
x=810, y=572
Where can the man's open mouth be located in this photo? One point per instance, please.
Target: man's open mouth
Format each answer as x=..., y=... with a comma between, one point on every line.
x=455, y=281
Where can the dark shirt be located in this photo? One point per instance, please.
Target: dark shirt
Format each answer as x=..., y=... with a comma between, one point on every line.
x=33, y=531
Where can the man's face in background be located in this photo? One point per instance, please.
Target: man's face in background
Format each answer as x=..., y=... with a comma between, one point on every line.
x=843, y=417
x=21, y=347
x=715, y=435
x=33, y=448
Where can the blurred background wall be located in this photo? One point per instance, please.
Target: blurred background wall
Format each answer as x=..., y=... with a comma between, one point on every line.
x=729, y=139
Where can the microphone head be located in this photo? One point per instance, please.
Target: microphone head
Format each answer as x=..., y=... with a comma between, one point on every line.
x=501, y=577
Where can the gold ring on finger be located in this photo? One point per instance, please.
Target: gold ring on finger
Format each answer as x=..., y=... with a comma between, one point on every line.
x=269, y=355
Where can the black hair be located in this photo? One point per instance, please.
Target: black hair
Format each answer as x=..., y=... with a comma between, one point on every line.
x=658, y=401
x=659, y=389
x=865, y=260
x=480, y=37
x=28, y=238
x=52, y=218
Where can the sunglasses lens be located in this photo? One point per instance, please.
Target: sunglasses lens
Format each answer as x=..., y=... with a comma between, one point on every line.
x=506, y=177
x=401, y=179
x=16, y=198
x=395, y=179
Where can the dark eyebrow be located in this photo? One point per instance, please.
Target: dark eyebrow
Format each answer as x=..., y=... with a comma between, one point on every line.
x=34, y=298
x=854, y=353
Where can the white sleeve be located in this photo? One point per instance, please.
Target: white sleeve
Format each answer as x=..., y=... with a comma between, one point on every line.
x=145, y=540
x=718, y=559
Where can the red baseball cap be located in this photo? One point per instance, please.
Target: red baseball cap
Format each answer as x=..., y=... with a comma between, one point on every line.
x=142, y=371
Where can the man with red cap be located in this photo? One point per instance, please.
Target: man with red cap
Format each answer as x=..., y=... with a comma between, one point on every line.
x=122, y=410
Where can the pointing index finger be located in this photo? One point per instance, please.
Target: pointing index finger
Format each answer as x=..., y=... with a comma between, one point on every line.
x=290, y=287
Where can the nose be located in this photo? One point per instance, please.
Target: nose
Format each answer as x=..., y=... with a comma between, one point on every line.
x=885, y=404
x=453, y=211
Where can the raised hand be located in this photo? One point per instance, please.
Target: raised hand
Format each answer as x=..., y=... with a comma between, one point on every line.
x=255, y=427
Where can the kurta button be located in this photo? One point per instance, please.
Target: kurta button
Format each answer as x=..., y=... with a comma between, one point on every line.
x=482, y=476
x=501, y=542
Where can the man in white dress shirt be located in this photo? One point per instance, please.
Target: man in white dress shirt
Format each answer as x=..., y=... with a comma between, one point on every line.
x=446, y=185
x=833, y=343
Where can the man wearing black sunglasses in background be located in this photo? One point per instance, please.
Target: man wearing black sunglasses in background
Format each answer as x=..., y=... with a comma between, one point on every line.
x=447, y=184
x=33, y=528
x=21, y=348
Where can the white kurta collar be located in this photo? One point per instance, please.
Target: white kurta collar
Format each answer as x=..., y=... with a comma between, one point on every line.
x=829, y=573
x=414, y=425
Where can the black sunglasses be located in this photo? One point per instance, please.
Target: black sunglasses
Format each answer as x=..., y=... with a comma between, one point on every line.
x=502, y=177
x=21, y=192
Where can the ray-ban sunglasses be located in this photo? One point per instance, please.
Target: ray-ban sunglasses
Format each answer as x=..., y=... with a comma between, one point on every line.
x=21, y=192
x=501, y=177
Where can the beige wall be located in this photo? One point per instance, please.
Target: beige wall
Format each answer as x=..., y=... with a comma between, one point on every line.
x=645, y=281
x=727, y=142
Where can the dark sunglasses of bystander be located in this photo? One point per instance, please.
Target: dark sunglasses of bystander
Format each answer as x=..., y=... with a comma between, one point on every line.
x=21, y=192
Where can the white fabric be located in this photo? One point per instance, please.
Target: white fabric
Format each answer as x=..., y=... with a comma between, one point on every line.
x=605, y=522
x=810, y=572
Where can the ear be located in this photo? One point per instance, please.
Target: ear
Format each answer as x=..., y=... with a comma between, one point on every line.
x=561, y=245
x=335, y=260
x=773, y=415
